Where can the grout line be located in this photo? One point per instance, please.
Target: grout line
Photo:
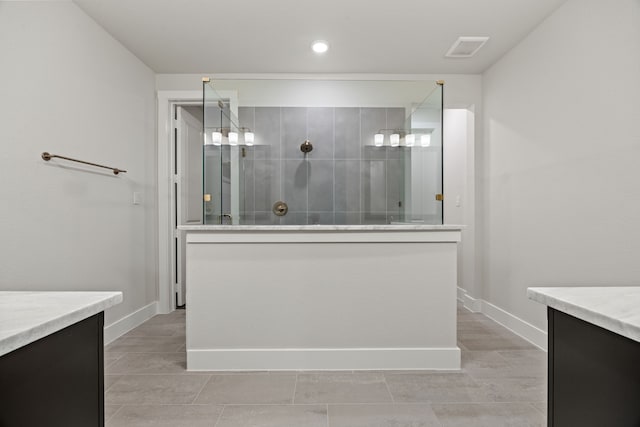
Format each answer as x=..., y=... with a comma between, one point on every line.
x=307, y=163
x=253, y=173
x=113, y=383
x=114, y=414
x=327, y=415
x=295, y=387
x=220, y=415
x=417, y=403
x=393, y=400
x=281, y=161
x=360, y=169
x=333, y=138
x=202, y=388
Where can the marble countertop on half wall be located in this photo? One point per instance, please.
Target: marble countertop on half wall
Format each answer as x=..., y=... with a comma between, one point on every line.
x=614, y=308
x=26, y=317
x=376, y=227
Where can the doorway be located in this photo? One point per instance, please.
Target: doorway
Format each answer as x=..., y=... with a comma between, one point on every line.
x=171, y=289
x=187, y=185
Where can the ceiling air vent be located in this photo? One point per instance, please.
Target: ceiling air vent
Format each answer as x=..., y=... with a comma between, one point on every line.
x=466, y=47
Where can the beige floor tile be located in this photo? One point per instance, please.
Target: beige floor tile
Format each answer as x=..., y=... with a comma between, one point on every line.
x=510, y=389
x=157, y=330
x=482, y=364
x=166, y=416
x=149, y=363
x=492, y=364
x=274, y=416
x=146, y=345
x=435, y=387
x=176, y=316
x=488, y=415
x=155, y=389
x=530, y=361
x=249, y=389
x=359, y=387
x=503, y=383
x=382, y=415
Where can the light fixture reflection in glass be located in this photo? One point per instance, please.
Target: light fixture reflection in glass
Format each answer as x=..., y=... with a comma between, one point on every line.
x=410, y=140
x=248, y=138
x=216, y=138
x=395, y=139
x=378, y=139
x=425, y=140
x=233, y=138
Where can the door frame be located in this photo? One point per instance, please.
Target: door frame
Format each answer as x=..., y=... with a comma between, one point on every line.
x=167, y=100
x=184, y=148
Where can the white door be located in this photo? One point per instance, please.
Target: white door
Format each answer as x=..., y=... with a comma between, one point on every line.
x=188, y=155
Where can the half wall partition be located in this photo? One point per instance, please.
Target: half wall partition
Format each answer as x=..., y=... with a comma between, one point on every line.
x=294, y=152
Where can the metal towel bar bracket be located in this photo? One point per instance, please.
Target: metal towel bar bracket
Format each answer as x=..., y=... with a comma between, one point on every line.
x=46, y=156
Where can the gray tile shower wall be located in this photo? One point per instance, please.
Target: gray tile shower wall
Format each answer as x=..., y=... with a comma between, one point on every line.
x=344, y=180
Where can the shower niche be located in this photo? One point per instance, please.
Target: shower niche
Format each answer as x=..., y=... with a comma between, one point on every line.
x=334, y=152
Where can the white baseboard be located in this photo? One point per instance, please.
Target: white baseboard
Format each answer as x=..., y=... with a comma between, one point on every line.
x=470, y=303
x=525, y=330
x=127, y=323
x=323, y=359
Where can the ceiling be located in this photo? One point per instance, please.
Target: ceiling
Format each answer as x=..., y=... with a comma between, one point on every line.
x=274, y=36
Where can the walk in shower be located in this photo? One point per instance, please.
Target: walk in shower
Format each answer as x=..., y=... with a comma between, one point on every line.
x=304, y=152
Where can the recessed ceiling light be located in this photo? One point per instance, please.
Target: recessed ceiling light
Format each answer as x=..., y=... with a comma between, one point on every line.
x=320, y=46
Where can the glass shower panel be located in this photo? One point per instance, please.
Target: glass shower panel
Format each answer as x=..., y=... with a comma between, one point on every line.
x=346, y=177
x=424, y=161
x=220, y=165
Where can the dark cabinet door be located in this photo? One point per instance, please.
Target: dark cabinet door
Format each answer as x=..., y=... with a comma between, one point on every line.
x=57, y=380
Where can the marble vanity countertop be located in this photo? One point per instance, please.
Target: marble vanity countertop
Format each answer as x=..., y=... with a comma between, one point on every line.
x=614, y=308
x=26, y=317
x=380, y=227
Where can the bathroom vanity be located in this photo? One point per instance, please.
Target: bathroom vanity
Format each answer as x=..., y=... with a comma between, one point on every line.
x=52, y=358
x=594, y=355
x=321, y=297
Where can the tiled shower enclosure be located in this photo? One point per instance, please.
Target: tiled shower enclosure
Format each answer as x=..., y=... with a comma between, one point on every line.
x=341, y=181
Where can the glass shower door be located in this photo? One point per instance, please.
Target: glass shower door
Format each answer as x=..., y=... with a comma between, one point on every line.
x=219, y=158
x=424, y=161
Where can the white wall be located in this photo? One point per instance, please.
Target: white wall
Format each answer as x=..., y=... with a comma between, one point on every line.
x=459, y=185
x=561, y=157
x=69, y=88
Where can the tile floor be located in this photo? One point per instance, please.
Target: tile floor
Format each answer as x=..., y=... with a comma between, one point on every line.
x=502, y=383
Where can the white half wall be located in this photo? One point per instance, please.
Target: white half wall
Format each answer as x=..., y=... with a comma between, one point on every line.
x=321, y=298
x=69, y=88
x=561, y=156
